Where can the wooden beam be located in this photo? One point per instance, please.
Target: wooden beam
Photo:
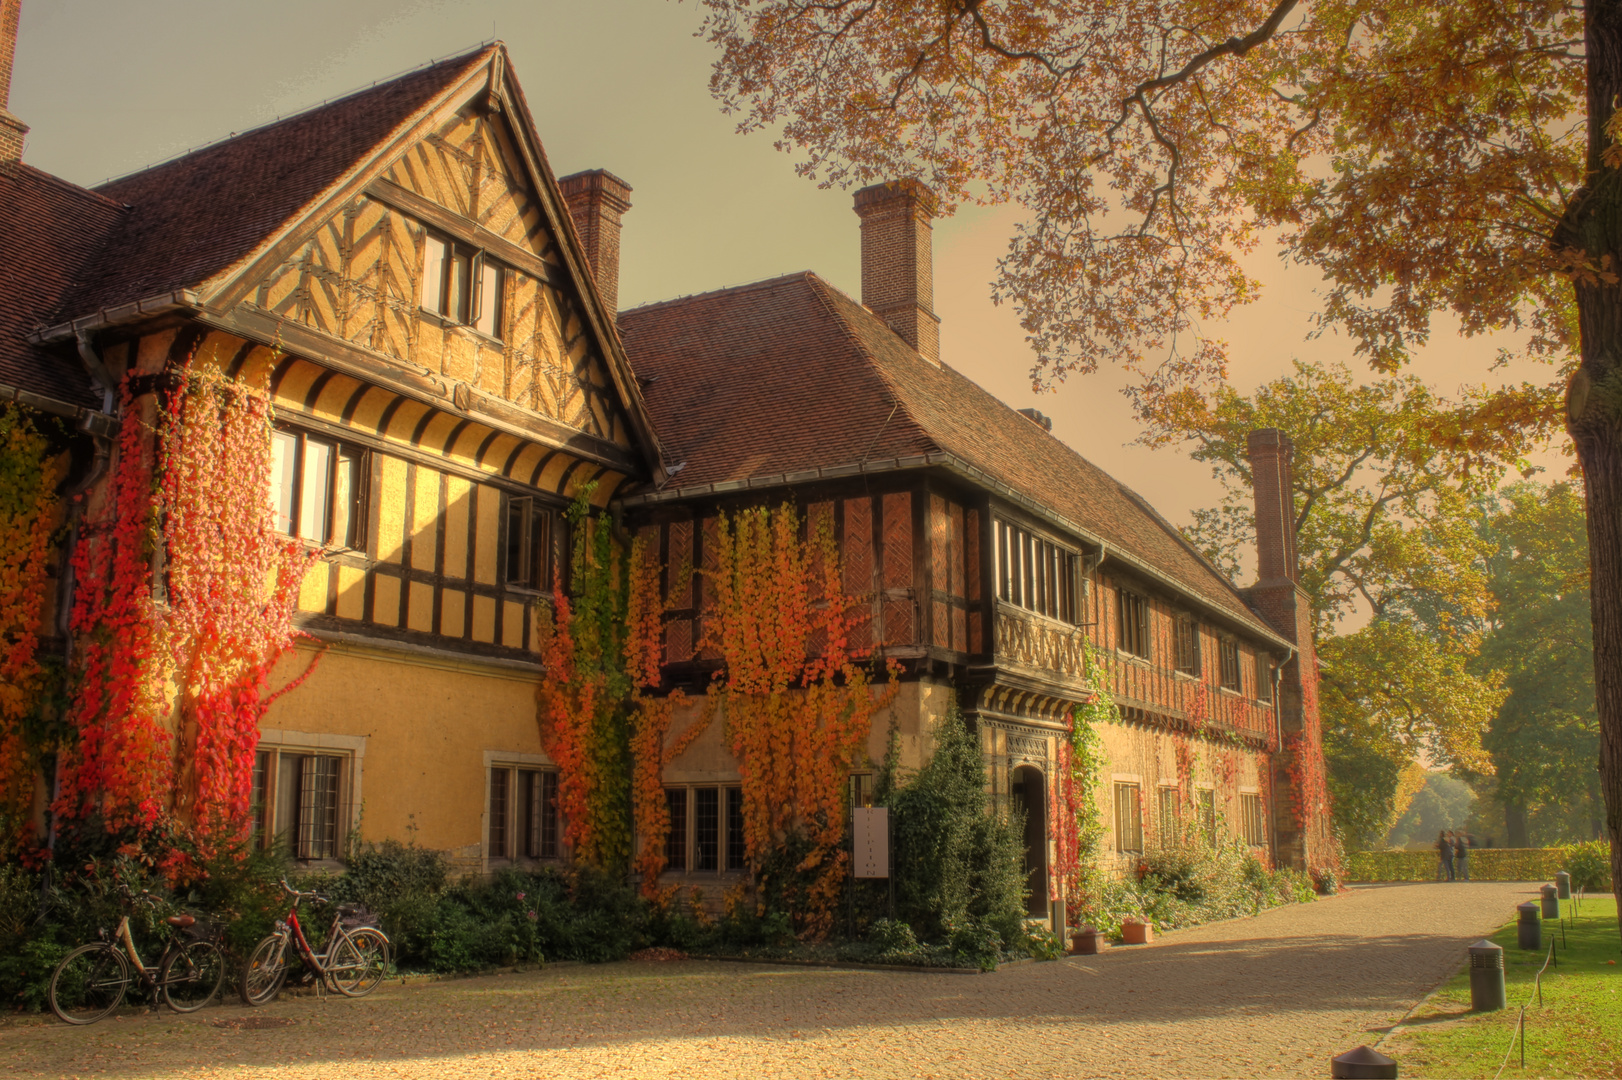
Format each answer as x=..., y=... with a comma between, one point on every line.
x=468, y=232
x=325, y=350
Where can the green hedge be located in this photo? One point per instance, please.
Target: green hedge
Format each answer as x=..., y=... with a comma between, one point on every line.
x=1486, y=864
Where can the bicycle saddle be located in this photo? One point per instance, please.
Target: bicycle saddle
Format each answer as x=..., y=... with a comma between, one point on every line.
x=181, y=921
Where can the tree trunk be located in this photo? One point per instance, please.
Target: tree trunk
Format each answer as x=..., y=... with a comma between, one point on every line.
x=1593, y=223
x=1515, y=826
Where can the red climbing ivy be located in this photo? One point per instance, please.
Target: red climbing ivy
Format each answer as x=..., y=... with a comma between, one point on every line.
x=28, y=508
x=232, y=584
x=119, y=766
x=188, y=492
x=798, y=702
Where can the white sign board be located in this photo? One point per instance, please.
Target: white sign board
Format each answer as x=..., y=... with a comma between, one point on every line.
x=870, y=830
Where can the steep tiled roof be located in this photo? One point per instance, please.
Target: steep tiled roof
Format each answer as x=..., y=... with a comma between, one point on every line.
x=792, y=375
x=50, y=231
x=200, y=214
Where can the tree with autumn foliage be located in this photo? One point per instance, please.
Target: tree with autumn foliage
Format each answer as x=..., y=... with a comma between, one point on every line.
x=1387, y=527
x=1423, y=158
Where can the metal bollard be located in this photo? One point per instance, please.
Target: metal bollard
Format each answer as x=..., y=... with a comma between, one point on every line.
x=1562, y=885
x=1486, y=977
x=1551, y=903
x=1529, y=931
x=1362, y=1064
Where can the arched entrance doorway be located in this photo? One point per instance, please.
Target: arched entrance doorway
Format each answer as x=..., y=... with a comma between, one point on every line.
x=1029, y=790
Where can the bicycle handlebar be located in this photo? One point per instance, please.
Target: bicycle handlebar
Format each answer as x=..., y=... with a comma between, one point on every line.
x=296, y=895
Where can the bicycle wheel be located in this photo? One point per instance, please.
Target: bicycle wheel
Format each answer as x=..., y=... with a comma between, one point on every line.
x=89, y=983
x=264, y=972
x=192, y=975
x=360, y=961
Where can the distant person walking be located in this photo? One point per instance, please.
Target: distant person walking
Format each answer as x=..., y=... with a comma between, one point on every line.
x=1461, y=855
x=1444, y=855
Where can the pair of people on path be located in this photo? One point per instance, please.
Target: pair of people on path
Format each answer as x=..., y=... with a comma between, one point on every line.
x=1453, y=855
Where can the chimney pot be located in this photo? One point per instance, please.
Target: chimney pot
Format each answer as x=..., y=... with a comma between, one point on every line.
x=1272, y=481
x=12, y=129
x=597, y=199
x=898, y=261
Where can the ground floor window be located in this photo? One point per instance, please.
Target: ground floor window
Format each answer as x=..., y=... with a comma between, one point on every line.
x=706, y=829
x=1128, y=817
x=300, y=798
x=522, y=813
x=1252, y=819
x=1205, y=806
x=1168, y=815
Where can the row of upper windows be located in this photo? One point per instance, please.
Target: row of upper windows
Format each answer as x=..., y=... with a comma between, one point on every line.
x=318, y=488
x=1133, y=637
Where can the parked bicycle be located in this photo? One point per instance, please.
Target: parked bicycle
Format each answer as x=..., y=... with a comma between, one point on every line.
x=354, y=961
x=91, y=981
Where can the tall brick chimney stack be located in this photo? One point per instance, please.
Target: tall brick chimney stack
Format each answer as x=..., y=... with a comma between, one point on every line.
x=1272, y=475
x=1301, y=841
x=898, y=261
x=12, y=129
x=597, y=198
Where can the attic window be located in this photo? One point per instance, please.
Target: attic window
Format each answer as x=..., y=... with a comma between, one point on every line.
x=462, y=285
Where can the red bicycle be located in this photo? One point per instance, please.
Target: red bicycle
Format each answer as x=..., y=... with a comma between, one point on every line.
x=354, y=961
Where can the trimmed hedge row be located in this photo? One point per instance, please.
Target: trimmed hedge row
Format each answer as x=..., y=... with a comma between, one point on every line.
x=1486, y=864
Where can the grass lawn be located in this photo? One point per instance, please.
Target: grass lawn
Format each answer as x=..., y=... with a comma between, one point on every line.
x=1577, y=1031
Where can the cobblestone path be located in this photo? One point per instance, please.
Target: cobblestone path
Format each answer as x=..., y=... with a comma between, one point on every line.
x=1275, y=995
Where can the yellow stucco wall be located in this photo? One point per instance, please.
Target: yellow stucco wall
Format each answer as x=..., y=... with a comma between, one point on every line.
x=427, y=723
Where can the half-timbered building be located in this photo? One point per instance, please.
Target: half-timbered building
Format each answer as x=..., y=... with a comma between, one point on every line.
x=400, y=269
x=994, y=554
x=433, y=315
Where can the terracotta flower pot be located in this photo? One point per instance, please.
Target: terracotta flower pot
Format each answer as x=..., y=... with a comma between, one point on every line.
x=1136, y=932
x=1088, y=941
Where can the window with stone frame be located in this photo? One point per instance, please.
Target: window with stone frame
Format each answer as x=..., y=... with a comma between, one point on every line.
x=522, y=820
x=1128, y=817
x=1170, y=816
x=300, y=798
x=1252, y=819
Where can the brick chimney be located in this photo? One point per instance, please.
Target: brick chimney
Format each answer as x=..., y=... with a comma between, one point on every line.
x=596, y=200
x=12, y=129
x=1272, y=479
x=898, y=261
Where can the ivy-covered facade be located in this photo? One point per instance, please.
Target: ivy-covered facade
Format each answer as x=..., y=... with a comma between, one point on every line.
x=375, y=520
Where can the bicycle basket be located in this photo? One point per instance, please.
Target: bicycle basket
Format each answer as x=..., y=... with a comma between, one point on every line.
x=356, y=916
x=205, y=929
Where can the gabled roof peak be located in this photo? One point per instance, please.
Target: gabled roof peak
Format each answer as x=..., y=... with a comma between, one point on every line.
x=480, y=50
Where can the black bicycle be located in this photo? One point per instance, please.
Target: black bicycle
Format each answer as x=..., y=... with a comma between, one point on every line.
x=91, y=981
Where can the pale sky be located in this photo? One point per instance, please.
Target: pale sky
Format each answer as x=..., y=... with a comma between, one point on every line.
x=109, y=87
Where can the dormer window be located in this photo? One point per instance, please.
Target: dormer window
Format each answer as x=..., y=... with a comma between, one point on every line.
x=462, y=285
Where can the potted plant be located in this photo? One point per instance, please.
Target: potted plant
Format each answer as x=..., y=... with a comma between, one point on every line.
x=1088, y=941
x=1137, y=932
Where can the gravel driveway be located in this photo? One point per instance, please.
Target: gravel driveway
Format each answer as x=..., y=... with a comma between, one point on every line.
x=1276, y=995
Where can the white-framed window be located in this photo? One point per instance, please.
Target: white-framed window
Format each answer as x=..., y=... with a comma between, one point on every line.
x=1128, y=816
x=318, y=488
x=306, y=792
x=1253, y=818
x=462, y=285
x=521, y=816
x=1034, y=573
x=706, y=829
x=531, y=545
